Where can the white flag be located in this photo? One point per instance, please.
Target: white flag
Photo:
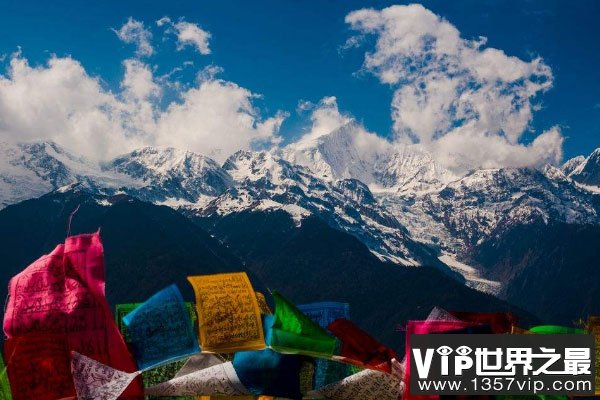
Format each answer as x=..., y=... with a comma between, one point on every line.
x=219, y=379
x=368, y=384
x=198, y=362
x=96, y=381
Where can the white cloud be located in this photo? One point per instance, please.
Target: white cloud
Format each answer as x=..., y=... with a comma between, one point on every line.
x=216, y=118
x=451, y=92
x=60, y=101
x=134, y=32
x=325, y=117
x=188, y=34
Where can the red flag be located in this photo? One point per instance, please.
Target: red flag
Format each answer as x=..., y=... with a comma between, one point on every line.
x=57, y=305
x=499, y=322
x=358, y=347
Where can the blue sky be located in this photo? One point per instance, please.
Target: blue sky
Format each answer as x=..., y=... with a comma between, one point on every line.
x=290, y=51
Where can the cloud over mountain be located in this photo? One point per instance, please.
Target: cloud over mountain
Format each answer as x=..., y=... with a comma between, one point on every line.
x=61, y=101
x=468, y=103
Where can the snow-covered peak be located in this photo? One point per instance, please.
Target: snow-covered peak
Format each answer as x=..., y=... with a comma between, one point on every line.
x=29, y=170
x=150, y=162
x=266, y=166
x=171, y=175
x=588, y=171
x=412, y=169
x=570, y=165
x=351, y=152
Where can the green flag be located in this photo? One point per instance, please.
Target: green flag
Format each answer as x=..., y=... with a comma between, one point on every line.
x=293, y=332
x=5, y=393
x=555, y=329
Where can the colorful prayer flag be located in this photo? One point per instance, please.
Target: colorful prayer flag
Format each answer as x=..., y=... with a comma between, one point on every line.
x=5, y=393
x=39, y=366
x=269, y=373
x=368, y=384
x=262, y=304
x=228, y=313
x=426, y=327
x=556, y=329
x=96, y=381
x=593, y=328
x=293, y=332
x=439, y=314
x=121, y=310
x=198, y=362
x=220, y=379
x=324, y=313
x=358, y=347
x=161, y=330
x=57, y=305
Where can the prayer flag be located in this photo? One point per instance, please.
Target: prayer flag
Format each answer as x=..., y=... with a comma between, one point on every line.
x=161, y=330
x=269, y=373
x=556, y=329
x=220, y=379
x=439, y=314
x=121, y=310
x=57, y=305
x=262, y=304
x=228, y=313
x=39, y=366
x=368, y=384
x=198, y=362
x=324, y=313
x=5, y=393
x=593, y=328
x=359, y=347
x=293, y=332
x=96, y=381
x=426, y=327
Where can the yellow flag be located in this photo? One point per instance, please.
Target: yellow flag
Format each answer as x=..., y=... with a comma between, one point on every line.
x=228, y=313
x=594, y=329
x=262, y=304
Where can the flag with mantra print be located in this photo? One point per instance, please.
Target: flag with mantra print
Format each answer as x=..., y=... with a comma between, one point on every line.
x=55, y=306
x=228, y=313
x=368, y=384
x=96, y=381
x=220, y=379
x=161, y=330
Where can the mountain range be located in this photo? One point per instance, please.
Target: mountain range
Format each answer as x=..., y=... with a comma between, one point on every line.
x=490, y=229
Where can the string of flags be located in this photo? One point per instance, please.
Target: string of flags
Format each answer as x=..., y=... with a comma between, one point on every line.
x=62, y=341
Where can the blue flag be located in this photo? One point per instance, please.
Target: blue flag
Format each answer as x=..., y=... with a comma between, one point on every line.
x=325, y=313
x=161, y=329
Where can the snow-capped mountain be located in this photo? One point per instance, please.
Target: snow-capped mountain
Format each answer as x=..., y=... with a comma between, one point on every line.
x=264, y=182
x=30, y=170
x=352, y=152
x=570, y=165
x=171, y=176
x=449, y=212
x=248, y=181
x=585, y=170
x=394, y=198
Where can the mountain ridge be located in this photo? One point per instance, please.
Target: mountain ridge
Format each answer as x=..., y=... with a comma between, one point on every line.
x=411, y=211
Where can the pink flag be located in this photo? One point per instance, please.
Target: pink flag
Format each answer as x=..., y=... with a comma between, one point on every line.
x=60, y=297
x=426, y=327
